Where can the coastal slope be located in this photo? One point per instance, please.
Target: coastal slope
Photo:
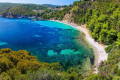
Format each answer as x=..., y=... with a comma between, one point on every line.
x=101, y=55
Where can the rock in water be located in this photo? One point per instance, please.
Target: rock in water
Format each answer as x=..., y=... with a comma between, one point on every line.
x=3, y=43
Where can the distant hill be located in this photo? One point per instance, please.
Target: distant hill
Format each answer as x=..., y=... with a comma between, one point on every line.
x=50, y=5
x=19, y=8
x=5, y=6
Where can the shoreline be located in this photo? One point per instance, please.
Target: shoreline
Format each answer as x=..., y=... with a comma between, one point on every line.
x=99, y=49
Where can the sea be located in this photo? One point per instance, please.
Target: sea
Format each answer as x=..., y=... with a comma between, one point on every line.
x=49, y=41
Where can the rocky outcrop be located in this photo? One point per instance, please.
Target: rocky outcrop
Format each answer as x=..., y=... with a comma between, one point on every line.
x=68, y=17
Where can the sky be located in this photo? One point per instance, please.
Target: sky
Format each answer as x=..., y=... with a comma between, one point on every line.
x=55, y=2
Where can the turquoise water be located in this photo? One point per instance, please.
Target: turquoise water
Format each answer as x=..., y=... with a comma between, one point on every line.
x=49, y=41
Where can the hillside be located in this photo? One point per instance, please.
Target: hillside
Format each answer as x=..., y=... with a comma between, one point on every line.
x=102, y=18
x=19, y=9
x=50, y=5
x=21, y=65
x=5, y=6
x=16, y=10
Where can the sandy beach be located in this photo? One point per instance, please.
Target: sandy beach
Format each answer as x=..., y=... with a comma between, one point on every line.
x=100, y=49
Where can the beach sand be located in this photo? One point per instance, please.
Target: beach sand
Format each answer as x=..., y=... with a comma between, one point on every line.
x=99, y=48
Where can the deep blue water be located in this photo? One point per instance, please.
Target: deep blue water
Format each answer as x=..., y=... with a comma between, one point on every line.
x=49, y=41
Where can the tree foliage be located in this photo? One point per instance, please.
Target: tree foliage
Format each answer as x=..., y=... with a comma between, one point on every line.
x=14, y=63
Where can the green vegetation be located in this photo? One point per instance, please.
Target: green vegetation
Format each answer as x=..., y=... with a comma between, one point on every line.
x=110, y=69
x=21, y=65
x=56, y=14
x=102, y=18
x=109, y=48
x=5, y=6
x=20, y=9
x=14, y=10
x=13, y=63
x=26, y=9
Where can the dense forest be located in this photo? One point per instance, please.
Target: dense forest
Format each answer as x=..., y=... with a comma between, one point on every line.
x=102, y=18
x=20, y=9
x=5, y=6
x=21, y=65
x=16, y=9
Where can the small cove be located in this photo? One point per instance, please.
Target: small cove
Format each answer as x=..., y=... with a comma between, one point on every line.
x=47, y=40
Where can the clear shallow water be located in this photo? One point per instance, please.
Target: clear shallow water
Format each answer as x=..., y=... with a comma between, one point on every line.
x=49, y=41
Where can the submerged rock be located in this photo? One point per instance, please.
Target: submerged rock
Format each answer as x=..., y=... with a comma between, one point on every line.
x=3, y=43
